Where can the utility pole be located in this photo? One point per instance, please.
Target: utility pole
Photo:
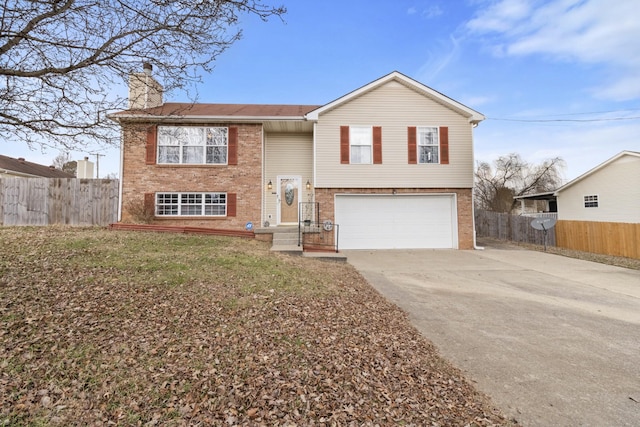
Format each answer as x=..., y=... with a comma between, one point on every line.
x=98, y=155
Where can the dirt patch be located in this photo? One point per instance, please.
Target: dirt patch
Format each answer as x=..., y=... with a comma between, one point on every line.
x=587, y=256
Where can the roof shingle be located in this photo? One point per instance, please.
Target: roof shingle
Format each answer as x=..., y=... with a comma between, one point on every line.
x=21, y=166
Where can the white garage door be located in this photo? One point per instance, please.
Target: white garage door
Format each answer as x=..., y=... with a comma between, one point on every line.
x=396, y=221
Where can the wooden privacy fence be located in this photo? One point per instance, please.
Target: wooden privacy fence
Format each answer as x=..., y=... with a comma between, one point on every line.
x=48, y=201
x=516, y=228
x=609, y=238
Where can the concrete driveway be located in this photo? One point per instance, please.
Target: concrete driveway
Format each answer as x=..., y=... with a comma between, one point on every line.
x=554, y=341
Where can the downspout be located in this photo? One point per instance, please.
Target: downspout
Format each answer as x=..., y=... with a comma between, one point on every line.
x=121, y=174
x=473, y=198
x=473, y=220
x=263, y=178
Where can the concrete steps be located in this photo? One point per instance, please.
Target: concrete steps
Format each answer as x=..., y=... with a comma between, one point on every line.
x=286, y=240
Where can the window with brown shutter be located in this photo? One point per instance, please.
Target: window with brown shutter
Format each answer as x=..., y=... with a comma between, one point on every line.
x=377, y=145
x=150, y=157
x=412, y=146
x=344, y=145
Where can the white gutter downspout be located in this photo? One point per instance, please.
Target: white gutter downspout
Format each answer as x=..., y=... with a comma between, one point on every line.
x=473, y=221
x=121, y=175
x=473, y=198
x=263, y=178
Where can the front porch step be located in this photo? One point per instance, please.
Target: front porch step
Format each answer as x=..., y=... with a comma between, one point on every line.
x=289, y=249
x=286, y=240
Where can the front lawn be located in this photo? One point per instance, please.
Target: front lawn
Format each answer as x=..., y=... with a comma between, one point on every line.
x=107, y=327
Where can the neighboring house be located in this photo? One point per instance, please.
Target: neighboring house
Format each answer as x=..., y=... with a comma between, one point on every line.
x=11, y=167
x=538, y=203
x=599, y=211
x=391, y=163
x=610, y=192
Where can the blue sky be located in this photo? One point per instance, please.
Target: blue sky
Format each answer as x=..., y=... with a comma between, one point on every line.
x=554, y=78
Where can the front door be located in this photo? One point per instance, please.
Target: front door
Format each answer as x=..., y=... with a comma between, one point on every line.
x=288, y=198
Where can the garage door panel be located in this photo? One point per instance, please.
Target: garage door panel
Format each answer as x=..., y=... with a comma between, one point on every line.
x=394, y=222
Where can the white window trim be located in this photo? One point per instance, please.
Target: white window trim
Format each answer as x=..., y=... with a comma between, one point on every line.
x=591, y=198
x=204, y=147
x=418, y=144
x=180, y=204
x=370, y=144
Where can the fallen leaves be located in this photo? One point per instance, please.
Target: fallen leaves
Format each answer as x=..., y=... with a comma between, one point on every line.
x=149, y=329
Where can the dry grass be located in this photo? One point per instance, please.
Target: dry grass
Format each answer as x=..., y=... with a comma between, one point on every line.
x=120, y=328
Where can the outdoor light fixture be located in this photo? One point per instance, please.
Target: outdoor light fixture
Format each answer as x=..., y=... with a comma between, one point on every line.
x=308, y=185
x=270, y=185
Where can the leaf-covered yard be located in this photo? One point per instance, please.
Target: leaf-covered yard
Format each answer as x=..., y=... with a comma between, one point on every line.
x=118, y=328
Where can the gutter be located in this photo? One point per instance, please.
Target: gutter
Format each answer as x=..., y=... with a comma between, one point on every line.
x=19, y=174
x=237, y=119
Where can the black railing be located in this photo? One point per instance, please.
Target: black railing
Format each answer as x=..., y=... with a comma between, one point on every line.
x=308, y=212
x=314, y=234
x=318, y=236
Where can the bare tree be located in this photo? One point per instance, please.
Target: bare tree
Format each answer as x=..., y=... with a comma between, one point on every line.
x=63, y=162
x=511, y=176
x=61, y=59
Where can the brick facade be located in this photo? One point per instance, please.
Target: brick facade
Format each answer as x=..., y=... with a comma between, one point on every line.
x=326, y=197
x=243, y=179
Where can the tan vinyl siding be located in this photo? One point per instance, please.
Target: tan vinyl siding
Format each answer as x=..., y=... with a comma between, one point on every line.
x=394, y=107
x=286, y=154
x=617, y=186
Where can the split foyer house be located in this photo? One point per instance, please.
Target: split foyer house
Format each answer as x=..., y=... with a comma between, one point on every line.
x=389, y=164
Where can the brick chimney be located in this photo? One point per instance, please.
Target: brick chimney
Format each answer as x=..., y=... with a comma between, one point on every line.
x=144, y=90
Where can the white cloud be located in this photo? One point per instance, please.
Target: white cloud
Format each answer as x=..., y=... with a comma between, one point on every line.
x=438, y=61
x=502, y=16
x=429, y=12
x=477, y=101
x=432, y=11
x=582, y=146
x=624, y=88
x=587, y=31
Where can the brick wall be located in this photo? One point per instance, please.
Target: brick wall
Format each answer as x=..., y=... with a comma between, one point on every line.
x=326, y=197
x=243, y=179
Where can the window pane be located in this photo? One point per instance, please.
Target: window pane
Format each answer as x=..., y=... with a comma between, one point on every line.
x=428, y=145
x=591, y=201
x=168, y=135
x=428, y=136
x=166, y=204
x=192, y=155
x=428, y=154
x=215, y=204
x=191, y=210
x=191, y=204
x=192, y=136
x=360, y=135
x=217, y=136
x=360, y=154
x=191, y=198
x=218, y=210
x=217, y=155
x=169, y=154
